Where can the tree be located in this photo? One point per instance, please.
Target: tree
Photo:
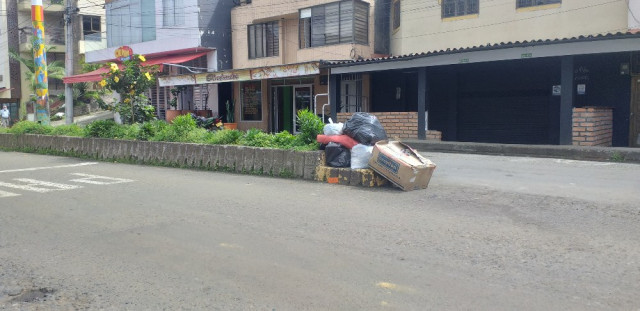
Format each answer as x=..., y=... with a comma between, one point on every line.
x=55, y=69
x=131, y=80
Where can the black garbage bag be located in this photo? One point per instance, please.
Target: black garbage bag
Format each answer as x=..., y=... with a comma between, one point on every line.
x=364, y=128
x=337, y=155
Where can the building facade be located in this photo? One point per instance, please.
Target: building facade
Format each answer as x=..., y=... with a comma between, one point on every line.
x=510, y=71
x=278, y=51
x=16, y=32
x=181, y=36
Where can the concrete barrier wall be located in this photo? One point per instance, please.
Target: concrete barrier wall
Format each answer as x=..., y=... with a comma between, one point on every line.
x=239, y=159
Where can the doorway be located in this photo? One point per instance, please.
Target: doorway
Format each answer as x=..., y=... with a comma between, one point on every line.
x=634, y=116
x=284, y=99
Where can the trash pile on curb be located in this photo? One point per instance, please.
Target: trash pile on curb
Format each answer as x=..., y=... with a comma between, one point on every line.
x=362, y=143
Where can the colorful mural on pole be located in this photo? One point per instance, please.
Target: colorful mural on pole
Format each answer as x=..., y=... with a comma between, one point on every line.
x=40, y=59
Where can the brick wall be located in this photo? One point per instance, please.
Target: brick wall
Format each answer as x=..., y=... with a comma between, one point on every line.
x=592, y=126
x=397, y=124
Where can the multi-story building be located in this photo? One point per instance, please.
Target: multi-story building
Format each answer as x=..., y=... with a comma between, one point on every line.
x=16, y=32
x=506, y=71
x=278, y=51
x=181, y=36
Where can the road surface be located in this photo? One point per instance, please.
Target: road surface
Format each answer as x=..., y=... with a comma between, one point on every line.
x=490, y=233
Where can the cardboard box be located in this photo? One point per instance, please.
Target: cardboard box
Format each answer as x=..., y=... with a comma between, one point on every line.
x=401, y=165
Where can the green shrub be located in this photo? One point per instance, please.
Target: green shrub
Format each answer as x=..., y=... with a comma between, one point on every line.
x=131, y=132
x=150, y=129
x=68, y=130
x=310, y=125
x=285, y=140
x=224, y=137
x=104, y=129
x=29, y=127
x=256, y=138
x=184, y=124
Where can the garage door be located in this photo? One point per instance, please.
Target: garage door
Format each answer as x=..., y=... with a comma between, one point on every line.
x=504, y=117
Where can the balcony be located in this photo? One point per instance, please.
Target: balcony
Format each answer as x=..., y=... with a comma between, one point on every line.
x=48, y=5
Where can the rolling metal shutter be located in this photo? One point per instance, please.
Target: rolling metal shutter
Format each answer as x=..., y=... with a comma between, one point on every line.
x=504, y=117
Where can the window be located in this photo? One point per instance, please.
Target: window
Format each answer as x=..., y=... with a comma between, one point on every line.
x=91, y=27
x=130, y=21
x=396, y=14
x=251, y=98
x=172, y=12
x=334, y=23
x=452, y=8
x=264, y=40
x=529, y=3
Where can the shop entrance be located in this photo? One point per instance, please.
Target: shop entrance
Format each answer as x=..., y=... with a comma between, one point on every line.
x=286, y=101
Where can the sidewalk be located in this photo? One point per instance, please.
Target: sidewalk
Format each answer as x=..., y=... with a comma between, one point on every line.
x=615, y=154
x=86, y=119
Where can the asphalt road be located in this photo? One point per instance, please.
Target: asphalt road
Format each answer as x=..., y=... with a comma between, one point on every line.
x=490, y=233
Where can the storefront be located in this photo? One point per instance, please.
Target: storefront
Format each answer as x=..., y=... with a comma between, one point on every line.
x=266, y=98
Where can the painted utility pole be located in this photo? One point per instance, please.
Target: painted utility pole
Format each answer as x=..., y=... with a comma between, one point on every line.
x=68, y=61
x=40, y=59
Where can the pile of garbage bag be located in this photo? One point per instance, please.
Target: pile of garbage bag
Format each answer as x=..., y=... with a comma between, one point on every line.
x=351, y=144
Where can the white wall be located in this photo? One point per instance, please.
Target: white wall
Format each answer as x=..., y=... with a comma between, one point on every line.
x=422, y=28
x=167, y=39
x=634, y=14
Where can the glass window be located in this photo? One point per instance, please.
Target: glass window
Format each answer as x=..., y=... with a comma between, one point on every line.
x=130, y=21
x=172, y=12
x=251, y=99
x=334, y=23
x=452, y=8
x=264, y=40
x=396, y=14
x=529, y=3
x=91, y=27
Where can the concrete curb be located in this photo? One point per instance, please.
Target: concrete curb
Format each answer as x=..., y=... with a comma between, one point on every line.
x=239, y=159
x=612, y=154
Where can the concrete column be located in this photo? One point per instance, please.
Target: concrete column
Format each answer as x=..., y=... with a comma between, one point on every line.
x=334, y=95
x=423, y=105
x=566, y=101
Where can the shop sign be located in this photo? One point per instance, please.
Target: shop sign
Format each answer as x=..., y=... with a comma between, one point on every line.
x=123, y=53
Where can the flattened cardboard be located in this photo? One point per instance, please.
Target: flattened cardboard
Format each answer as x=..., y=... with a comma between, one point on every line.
x=401, y=165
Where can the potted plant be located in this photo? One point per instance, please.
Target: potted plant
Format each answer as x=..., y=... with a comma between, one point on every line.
x=173, y=102
x=229, y=117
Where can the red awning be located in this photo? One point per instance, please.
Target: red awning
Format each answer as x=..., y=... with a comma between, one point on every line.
x=96, y=75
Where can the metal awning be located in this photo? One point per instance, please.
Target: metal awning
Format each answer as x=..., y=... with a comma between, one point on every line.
x=96, y=75
x=499, y=52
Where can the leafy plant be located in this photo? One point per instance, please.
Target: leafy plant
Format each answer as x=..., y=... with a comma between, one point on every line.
x=105, y=129
x=68, y=130
x=29, y=127
x=229, y=105
x=285, y=140
x=310, y=125
x=175, y=92
x=131, y=81
x=149, y=130
x=256, y=138
x=224, y=137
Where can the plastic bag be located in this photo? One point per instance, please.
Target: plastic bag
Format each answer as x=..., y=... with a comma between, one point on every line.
x=360, y=156
x=333, y=128
x=364, y=128
x=337, y=156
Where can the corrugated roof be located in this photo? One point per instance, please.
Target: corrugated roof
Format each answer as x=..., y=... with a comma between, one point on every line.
x=489, y=46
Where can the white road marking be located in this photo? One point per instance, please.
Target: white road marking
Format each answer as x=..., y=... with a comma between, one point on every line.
x=48, y=167
x=96, y=179
x=4, y=194
x=44, y=186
